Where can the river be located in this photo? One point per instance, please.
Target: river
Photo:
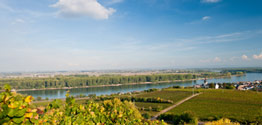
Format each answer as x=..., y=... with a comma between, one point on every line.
x=60, y=93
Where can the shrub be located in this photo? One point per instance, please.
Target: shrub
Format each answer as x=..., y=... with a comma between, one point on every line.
x=166, y=117
x=149, y=108
x=15, y=109
x=39, y=98
x=223, y=121
x=177, y=87
x=186, y=117
x=212, y=118
x=82, y=95
x=159, y=108
x=146, y=115
x=229, y=87
x=151, y=90
x=211, y=85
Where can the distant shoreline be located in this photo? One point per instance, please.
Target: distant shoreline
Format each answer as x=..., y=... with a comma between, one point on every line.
x=105, y=85
x=19, y=90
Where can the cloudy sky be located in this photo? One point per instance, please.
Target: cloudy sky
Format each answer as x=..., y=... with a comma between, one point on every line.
x=43, y=35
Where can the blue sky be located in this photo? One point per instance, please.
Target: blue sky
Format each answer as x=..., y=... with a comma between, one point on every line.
x=43, y=35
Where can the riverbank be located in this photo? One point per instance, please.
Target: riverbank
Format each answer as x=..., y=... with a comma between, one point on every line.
x=111, y=85
x=104, y=85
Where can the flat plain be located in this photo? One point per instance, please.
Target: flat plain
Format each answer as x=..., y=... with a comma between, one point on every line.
x=241, y=106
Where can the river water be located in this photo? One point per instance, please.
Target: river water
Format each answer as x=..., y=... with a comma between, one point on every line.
x=60, y=93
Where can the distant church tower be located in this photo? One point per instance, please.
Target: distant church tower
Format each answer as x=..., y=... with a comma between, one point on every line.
x=205, y=81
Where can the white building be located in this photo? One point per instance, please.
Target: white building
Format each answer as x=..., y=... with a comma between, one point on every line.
x=216, y=86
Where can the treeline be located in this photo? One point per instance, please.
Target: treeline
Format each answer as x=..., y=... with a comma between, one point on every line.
x=137, y=99
x=85, y=80
x=184, y=118
x=190, y=118
x=244, y=70
x=156, y=109
x=222, y=85
x=81, y=81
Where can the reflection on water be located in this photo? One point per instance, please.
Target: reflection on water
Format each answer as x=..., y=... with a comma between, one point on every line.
x=60, y=93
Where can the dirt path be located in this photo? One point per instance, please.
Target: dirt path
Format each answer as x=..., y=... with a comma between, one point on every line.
x=173, y=106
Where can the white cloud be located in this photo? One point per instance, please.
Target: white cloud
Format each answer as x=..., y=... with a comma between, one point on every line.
x=258, y=56
x=217, y=59
x=6, y=7
x=244, y=57
x=233, y=58
x=210, y=1
x=75, y=8
x=205, y=61
x=223, y=38
x=19, y=20
x=205, y=18
x=114, y=1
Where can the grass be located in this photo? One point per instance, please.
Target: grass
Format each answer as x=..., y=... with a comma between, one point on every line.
x=38, y=104
x=169, y=94
x=44, y=103
x=237, y=105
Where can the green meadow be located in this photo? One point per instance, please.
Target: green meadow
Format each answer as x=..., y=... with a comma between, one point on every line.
x=175, y=96
x=242, y=106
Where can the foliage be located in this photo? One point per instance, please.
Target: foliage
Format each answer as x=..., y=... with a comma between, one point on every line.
x=80, y=96
x=259, y=117
x=151, y=90
x=177, y=87
x=186, y=117
x=15, y=110
x=136, y=99
x=157, y=109
x=211, y=85
x=92, y=95
x=229, y=87
x=174, y=95
x=240, y=106
x=146, y=115
x=243, y=70
x=222, y=122
x=39, y=98
x=85, y=80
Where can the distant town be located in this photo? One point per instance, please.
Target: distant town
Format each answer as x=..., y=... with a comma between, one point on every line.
x=46, y=74
x=243, y=85
x=97, y=72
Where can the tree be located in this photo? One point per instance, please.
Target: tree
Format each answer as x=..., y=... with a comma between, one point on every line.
x=146, y=115
x=211, y=85
x=228, y=74
x=39, y=98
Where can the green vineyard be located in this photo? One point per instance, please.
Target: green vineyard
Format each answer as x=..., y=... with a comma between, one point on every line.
x=15, y=109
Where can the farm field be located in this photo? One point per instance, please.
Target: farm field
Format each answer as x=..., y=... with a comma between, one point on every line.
x=170, y=94
x=242, y=106
x=45, y=103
